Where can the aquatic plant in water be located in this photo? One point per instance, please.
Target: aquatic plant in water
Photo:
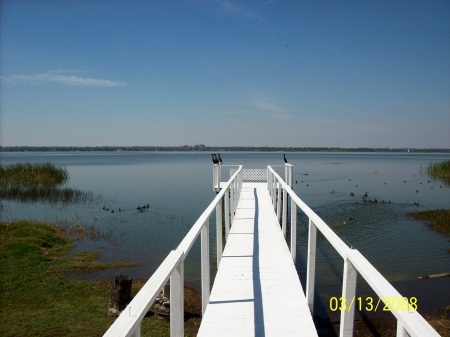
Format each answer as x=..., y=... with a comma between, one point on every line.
x=439, y=170
x=32, y=175
x=39, y=182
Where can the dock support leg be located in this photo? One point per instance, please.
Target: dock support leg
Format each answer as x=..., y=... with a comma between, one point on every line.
x=311, y=271
x=205, y=265
x=348, y=296
x=177, y=301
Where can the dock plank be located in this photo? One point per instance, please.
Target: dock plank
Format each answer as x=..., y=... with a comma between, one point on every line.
x=256, y=291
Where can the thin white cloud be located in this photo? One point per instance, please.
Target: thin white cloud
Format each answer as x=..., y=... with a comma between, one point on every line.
x=283, y=116
x=272, y=110
x=58, y=78
x=267, y=106
x=234, y=112
x=236, y=10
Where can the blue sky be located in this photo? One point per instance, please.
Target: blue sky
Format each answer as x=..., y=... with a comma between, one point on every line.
x=249, y=73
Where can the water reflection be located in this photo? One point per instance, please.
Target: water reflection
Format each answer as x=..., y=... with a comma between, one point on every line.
x=51, y=195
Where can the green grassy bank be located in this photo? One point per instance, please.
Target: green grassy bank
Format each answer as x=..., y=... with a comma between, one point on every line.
x=38, y=299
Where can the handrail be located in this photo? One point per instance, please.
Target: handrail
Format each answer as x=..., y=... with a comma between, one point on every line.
x=408, y=321
x=128, y=323
x=190, y=237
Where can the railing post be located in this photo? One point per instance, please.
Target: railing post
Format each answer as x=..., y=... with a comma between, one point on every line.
x=293, y=230
x=288, y=174
x=177, y=301
x=216, y=178
x=205, y=265
x=348, y=295
x=272, y=187
x=284, y=213
x=232, y=202
x=226, y=200
x=137, y=332
x=311, y=269
x=279, y=201
x=401, y=332
x=219, y=232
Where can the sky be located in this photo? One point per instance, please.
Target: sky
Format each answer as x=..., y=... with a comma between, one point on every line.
x=225, y=73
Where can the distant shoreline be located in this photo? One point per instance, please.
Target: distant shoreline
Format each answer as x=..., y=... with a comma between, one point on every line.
x=204, y=148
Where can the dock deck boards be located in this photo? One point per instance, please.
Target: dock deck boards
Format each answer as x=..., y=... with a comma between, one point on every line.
x=256, y=291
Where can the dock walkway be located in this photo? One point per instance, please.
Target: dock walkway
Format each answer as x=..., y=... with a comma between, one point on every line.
x=256, y=291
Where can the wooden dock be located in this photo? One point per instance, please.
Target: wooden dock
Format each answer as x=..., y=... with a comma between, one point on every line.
x=256, y=291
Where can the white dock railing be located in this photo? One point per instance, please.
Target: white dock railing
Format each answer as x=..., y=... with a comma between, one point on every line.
x=129, y=321
x=409, y=321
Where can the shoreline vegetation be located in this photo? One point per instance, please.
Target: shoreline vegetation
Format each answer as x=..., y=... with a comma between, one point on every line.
x=32, y=175
x=439, y=170
x=438, y=220
x=43, y=299
x=39, y=182
x=207, y=148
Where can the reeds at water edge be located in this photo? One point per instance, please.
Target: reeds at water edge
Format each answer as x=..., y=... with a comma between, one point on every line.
x=27, y=175
x=39, y=182
x=439, y=170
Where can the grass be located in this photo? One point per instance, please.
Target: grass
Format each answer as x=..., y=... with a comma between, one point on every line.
x=38, y=183
x=439, y=170
x=32, y=175
x=438, y=220
x=38, y=299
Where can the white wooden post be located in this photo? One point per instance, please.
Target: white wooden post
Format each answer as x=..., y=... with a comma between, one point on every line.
x=177, y=301
x=274, y=192
x=311, y=268
x=216, y=178
x=279, y=201
x=401, y=332
x=293, y=230
x=348, y=295
x=137, y=332
x=232, y=202
x=226, y=201
x=205, y=265
x=284, y=213
x=219, y=231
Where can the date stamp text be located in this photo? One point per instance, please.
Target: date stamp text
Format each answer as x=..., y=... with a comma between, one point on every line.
x=373, y=304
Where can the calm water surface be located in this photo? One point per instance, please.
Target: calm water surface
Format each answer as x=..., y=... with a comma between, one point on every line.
x=178, y=187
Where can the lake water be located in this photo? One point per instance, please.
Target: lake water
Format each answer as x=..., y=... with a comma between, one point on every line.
x=178, y=187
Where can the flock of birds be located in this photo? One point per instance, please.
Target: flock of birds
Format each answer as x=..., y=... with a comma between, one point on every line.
x=139, y=208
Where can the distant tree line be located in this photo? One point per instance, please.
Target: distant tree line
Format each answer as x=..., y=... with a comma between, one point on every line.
x=205, y=148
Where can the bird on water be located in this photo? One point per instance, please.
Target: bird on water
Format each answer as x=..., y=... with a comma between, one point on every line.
x=284, y=157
